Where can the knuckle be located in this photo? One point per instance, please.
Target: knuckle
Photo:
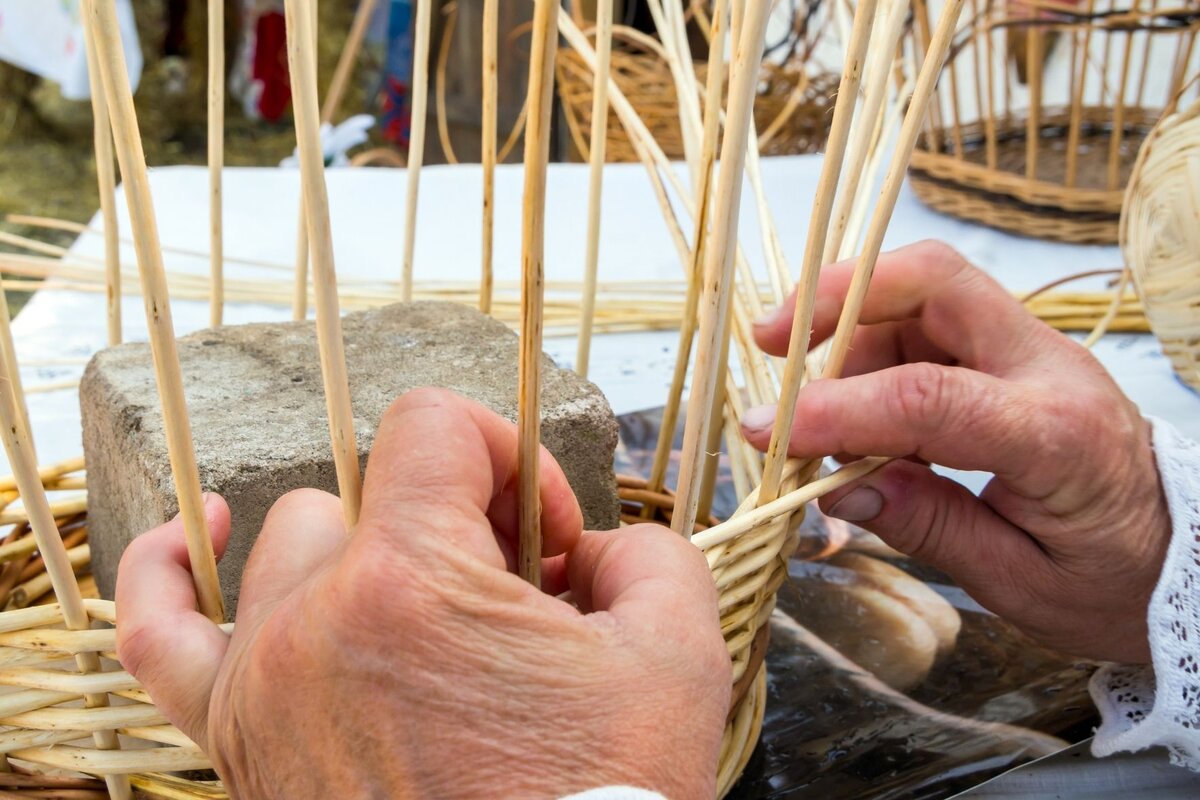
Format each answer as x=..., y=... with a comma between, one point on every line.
x=919, y=395
x=941, y=257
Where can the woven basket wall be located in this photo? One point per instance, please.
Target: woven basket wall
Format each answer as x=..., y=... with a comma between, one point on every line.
x=792, y=113
x=1160, y=237
x=1042, y=107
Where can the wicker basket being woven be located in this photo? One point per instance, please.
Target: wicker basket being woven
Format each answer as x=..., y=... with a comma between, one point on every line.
x=792, y=112
x=1042, y=143
x=1160, y=237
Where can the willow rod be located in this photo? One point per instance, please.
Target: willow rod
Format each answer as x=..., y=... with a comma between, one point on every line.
x=857, y=156
x=416, y=141
x=599, y=133
x=490, y=89
x=687, y=327
x=863, y=270
x=17, y=445
x=533, y=233
x=719, y=264
x=346, y=60
x=818, y=227
x=168, y=375
x=107, y=184
x=216, y=156
x=303, y=70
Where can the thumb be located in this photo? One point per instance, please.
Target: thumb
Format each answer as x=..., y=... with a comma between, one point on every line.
x=162, y=639
x=649, y=578
x=941, y=523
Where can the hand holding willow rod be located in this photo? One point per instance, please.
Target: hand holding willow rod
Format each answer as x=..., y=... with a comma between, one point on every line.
x=1068, y=539
x=407, y=660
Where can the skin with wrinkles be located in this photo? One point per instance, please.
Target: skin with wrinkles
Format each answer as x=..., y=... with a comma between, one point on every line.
x=406, y=660
x=1068, y=539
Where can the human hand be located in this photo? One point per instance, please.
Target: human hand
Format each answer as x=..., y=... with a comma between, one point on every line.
x=406, y=660
x=1068, y=539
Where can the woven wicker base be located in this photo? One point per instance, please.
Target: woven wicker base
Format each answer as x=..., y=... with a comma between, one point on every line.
x=956, y=177
x=1007, y=214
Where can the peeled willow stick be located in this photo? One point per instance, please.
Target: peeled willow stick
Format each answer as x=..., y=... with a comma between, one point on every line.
x=303, y=70
x=719, y=264
x=882, y=53
x=17, y=444
x=300, y=288
x=533, y=232
x=491, y=24
x=216, y=155
x=168, y=376
x=347, y=59
x=416, y=141
x=687, y=328
x=604, y=23
x=106, y=178
x=943, y=35
x=13, y=373
x=818, y=227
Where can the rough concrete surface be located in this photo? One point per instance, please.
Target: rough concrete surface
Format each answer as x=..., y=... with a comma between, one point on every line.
x=258, y=418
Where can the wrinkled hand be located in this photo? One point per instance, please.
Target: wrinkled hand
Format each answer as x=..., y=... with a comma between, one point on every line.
x=1068, y=539
x=407, y=660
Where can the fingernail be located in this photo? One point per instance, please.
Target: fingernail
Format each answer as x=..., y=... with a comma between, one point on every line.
x=759, y=418
x=861, y=505
x=770, y=319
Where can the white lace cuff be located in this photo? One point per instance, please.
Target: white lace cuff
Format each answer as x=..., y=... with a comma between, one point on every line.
x=616, y=793
x=1159, y=705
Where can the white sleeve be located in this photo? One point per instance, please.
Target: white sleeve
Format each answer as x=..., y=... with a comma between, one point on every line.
x=1159, y=705
x=616, y=793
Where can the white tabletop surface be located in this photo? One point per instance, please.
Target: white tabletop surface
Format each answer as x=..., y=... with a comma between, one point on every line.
x=367, y=217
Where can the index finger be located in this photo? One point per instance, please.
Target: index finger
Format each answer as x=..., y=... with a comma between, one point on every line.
x=959, y=309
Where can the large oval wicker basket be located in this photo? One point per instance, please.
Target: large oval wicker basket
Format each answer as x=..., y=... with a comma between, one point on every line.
x=1041, y=110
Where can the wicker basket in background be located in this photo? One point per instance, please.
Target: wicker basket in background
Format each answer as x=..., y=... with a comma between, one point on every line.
x=1041, y=109
x=792, y=113
x=1160, y=237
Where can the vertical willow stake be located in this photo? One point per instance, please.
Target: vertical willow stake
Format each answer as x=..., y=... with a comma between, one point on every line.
x=19, y=446
x=107, y=180
x=687, y=328
x=303, y=69
x=167, y=373
x=939, y=45
x=533, y=231
x=604, y=23
x=818, y=228
x=416, y=141
x=216, y=156
x=491, y=24
x=719, y=263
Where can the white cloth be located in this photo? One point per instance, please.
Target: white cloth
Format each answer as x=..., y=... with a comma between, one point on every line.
x=47, y=39
x=1159, y=705
x=616, y=793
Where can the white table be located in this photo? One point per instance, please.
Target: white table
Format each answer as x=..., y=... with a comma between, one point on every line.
x=367, y=213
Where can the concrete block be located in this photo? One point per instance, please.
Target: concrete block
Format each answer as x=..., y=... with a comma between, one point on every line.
x=258, y=417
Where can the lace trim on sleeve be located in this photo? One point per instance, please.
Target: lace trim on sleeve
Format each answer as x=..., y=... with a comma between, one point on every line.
x=1144, y=706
